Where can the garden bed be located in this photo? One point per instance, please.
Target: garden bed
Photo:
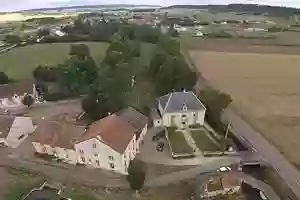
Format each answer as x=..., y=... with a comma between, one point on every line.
x=178, y=144
x=204, y=142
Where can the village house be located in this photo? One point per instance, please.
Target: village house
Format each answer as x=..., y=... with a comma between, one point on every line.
x=138, y=121
x=227, y=183
x=110, y=143
x=57, y=139
x=11, y=95
x=179, y=109
x=14, y=130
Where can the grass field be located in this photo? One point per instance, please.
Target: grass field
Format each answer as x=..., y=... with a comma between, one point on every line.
x=19, y=62
x=265, y=91
x=203, y=142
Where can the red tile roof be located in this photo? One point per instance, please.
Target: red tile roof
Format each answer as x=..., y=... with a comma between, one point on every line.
x=113, y=130
x=19, y=88
x=57, y=134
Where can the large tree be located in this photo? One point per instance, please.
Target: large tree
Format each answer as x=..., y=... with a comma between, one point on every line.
x=28, y=100
x=136, y=175
x=12, y=39
x=215, y=102
x=3, y=78
x=77, y=75
x=81, y=51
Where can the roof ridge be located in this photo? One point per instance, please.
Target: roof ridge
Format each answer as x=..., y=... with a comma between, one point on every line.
x=198, y=100
x=167, y=104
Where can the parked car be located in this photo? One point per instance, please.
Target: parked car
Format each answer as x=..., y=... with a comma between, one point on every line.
x=155, y=138
x=160, y=147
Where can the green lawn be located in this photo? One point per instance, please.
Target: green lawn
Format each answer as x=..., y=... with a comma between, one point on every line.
x=19, y=62
x=178, y=142
x=203, y=142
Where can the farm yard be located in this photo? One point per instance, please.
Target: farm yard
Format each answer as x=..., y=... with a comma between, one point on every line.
x=20, y=62
x=263, y=83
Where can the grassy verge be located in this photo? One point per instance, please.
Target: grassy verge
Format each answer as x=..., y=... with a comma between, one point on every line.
x=20, y=62
x=178, y=142
x=203, y=142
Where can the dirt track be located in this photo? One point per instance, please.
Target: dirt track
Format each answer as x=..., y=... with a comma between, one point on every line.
x=264, y=88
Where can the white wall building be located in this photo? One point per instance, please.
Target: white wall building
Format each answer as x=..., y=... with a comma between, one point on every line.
x=109, y=143
x=11, y=95
x=180, y=109
x=14, y=130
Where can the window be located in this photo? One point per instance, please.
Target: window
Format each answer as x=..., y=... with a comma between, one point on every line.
x=81, y=151
x=82, y=159
x=112, y=165
x=44, y=149
x=183, y=116
x=98, y=162
x=95, y=154
x=67, y=155
x=110, y=157
x=21, y=136
x=94, y=146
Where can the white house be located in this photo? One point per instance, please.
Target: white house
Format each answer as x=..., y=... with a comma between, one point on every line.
x=109, y=143
x=11, y=95
x=14, y=130
x=57, y=139
x=180, y=109
x=138, y=121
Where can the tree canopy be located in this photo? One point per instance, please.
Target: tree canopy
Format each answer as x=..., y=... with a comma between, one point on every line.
x=28, y=100
x=136, y=174
x=3, y=78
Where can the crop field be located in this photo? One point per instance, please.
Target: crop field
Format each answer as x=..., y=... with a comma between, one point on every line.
x=19, y=63
x=265, y=90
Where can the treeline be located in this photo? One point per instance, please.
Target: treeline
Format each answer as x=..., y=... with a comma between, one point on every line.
x=246, y=8
x=168, y=68
x=103, y=31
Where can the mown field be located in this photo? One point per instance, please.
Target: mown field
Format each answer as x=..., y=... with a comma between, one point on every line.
x=20, y=62
x=265, y=90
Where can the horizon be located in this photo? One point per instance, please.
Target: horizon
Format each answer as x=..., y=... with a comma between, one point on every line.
x=52, y=4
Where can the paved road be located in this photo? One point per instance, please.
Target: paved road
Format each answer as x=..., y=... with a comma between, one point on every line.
x=269, y=153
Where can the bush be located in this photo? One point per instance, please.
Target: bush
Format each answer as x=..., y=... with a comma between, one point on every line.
x=3, y=78
x=136, y=175
x=28, y=100
x=220, y=34
x=57, y=96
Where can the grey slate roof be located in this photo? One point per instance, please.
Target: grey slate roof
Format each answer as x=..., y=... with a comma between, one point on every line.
x=135, y=118
x=179, y=101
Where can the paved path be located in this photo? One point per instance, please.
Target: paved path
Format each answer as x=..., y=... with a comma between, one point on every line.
x=174, y=177
x=260, y=145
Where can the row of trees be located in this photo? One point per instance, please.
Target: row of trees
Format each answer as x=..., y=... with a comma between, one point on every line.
x=110, y=92
x=168, y=69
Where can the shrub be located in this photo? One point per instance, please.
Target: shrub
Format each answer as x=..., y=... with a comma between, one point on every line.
x=136, y=175
x=3, y=78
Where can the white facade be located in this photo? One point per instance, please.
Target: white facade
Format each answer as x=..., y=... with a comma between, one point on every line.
x=180, y=109
x=96, y=154
x=183, y=119
x=67, y=155
x=139, y=141
x=93, y=154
